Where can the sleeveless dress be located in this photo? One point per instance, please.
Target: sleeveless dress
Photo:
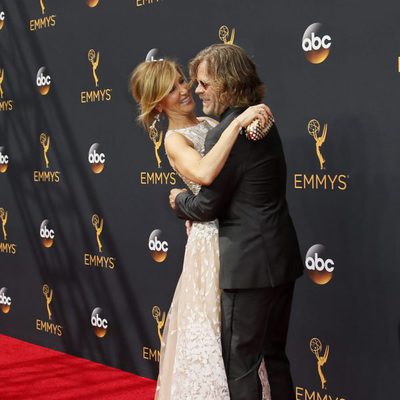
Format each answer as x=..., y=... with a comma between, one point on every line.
x=191, y=363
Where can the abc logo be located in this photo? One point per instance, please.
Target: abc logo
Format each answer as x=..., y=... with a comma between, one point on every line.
x=2, y=18
x=99, y=324
x=92, y=3
x=5, y=301
x=43, y=81
x=96, y=158
x=158, y=247
x=47, y=235
x=3, y=160
x=152, y=55
x=320, y=268
x=315, y=45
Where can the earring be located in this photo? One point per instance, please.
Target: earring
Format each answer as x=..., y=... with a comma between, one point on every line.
x=153, y=131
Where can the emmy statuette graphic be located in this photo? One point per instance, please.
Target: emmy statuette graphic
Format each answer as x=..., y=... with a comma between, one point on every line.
x=45, y=142
x=48, y=295
x=94, y=60
x=316, y=348
x=42, y=6
x=156, y=312
x=98, y=226
x=313, y=129
x=1, y=82
x=224, y=35
x=3, y=217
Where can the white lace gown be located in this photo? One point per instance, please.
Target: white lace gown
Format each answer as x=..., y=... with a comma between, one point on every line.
x=191, y=364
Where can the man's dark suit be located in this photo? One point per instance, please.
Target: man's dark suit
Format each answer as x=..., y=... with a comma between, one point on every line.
x=260, y=257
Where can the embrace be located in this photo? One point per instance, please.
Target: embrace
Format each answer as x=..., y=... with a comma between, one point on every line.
x=226, y=330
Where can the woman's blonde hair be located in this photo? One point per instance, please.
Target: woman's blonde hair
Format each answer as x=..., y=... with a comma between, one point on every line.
x=150, y=83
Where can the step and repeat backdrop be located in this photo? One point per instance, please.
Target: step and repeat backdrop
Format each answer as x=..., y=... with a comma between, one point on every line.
x=90, y=252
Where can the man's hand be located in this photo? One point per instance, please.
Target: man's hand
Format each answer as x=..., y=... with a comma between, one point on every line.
x=172, y=195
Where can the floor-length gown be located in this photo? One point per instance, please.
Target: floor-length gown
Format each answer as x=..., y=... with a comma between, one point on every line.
x=191, y=363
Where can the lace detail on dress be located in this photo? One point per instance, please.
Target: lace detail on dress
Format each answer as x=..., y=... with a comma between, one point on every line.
x=191, y=363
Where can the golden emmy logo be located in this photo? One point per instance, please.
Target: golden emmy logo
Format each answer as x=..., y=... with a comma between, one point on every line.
x=224, y=35
x=48, y=295
x=4, y=217
x=313, y=129
x=42, y=6
x=46, y=326
x=1, y=83
x=5, y=104
x=98, y=226
x=156, y=312
x=316, y=348
x=45, y=142
x=156, y=138
x=92, y=3
x=46, y=175
x=43, y=22
x=94, y=60
x=97, y=94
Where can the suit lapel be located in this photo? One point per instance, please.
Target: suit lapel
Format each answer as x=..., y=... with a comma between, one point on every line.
x=214, y=134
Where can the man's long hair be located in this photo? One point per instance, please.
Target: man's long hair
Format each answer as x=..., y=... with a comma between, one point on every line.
x=234, y=75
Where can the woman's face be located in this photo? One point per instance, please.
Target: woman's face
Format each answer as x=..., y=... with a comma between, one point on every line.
x=179, y=101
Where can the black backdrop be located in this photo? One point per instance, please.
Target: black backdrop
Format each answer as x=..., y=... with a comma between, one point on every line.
x=347, y=312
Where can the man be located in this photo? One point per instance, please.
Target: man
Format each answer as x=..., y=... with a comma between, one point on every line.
x=259, y=252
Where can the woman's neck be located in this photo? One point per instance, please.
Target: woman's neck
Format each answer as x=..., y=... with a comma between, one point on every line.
x=181, y=121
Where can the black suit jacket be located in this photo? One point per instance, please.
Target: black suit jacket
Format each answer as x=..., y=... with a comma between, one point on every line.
x=258, y=242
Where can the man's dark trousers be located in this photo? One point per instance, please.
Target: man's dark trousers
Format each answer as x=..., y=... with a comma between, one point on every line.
x=254, y=325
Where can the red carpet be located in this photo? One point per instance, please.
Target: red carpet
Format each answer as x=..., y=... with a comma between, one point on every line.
x=29, y=372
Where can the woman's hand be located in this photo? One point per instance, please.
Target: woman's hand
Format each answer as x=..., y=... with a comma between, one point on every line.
x=188, y=225
x=260, y=111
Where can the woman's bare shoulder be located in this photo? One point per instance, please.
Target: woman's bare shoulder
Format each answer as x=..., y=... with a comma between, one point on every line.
x=175, y=137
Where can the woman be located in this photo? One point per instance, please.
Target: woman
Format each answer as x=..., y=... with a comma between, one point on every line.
x=191, y=364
